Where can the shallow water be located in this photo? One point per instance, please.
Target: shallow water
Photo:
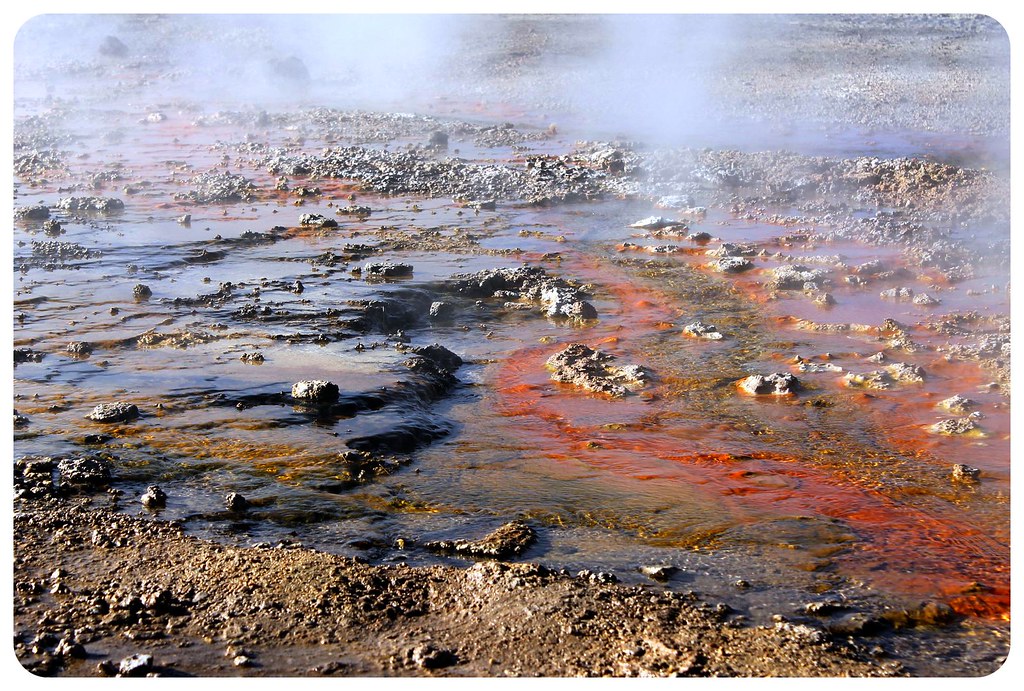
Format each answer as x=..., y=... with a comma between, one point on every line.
x=850, y=499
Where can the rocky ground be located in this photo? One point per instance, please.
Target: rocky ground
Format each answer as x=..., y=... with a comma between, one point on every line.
x=99, y=593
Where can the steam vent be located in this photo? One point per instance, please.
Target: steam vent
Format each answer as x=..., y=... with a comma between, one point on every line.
x=508, y=345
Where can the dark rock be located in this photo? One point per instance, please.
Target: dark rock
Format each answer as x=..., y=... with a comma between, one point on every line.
x=439, y=355
x=27, y=355
x=236, y=502
x=154, y=498
x=387, y=269
x=858, y=624
x=315, y=391
x=438, y=139
x=141, y=292
x=441, y=310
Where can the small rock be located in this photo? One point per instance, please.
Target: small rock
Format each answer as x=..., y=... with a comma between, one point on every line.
x=84, y=471
x=898, y=294
x=925, y=300
x=236, y=502
x=318, y=220
x=185, y=220
x=79, y=348
x=429, y=657
x=114, y=412
x=699, y=329
x=660, y=572
x=154, y=498
x=957, y=404
x=137, y=665
x=954, y=425
x=441, y=310
x=438, y=140
x=315, y=390
x=776, y=384
x=142, y=292
x=731, y=265
x=965, y=473
x=509, y=540
x=387, y=268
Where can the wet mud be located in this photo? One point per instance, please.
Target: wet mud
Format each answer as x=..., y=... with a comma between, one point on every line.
x=469, y=361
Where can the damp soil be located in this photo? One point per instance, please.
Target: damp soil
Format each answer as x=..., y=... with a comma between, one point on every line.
x=310, y=388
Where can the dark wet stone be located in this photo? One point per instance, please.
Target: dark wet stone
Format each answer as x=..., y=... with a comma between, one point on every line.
x=315, y=391
x=27, y=355
x=138, y=665
x=440, y=355
x=236, y=502
x=441, y=310
x=857, y=624
x=387, y=269
x=776, y=384
x=403, y=439
x=52, y=227
x=141, y=292
x=154, y=498
x=509, y=540
x=114, y=412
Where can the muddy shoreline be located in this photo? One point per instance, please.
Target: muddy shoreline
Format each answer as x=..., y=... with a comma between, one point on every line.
x=93, y=588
